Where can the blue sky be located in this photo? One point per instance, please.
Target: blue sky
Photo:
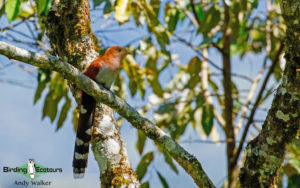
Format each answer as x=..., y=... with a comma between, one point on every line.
x=25, y=135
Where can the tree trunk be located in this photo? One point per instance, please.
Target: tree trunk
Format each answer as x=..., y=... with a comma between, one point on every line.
x=71, y=37
x=265, y=153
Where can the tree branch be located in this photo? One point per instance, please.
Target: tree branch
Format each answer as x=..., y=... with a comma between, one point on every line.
x=265, y=153
x=185, y=159
x=250, y=96
x=256, y=103
x=228, y=109
x=71, y=37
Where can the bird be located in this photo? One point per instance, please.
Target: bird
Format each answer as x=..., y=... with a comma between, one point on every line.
x=104, y=71
x=31, y=168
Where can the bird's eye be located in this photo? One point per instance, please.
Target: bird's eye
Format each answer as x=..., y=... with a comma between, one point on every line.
x=120, y=50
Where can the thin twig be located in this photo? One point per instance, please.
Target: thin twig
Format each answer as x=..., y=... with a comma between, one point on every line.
x=11, y=26
x=197, y=50
x=205, y=141
x=248, y=101
x=257, y=100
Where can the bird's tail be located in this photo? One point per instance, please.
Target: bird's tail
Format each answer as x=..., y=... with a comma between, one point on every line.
x=83, y=136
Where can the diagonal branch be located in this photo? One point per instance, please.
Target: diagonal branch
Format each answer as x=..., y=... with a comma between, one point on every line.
x=185, y=159
x=250, y=96
x=256, y=103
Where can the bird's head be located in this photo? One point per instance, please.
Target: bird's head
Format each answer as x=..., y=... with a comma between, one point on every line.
x=116, y=52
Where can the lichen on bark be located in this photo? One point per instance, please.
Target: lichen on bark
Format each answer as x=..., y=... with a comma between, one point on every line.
x=71, y=37
x=70, y=33
x=265, y=153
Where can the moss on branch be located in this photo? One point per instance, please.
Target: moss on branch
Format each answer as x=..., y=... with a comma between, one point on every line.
x=185, y=159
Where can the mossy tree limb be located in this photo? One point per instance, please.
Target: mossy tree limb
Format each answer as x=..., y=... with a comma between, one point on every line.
x=68, y=28
x=265, y=153
x=189, y=162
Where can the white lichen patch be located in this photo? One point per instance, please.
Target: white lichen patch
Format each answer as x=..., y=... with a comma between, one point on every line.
x=131, y=186
x=106, y=126
x=283, y=91
x=114, y=147
x=282, y=116
x=169, y=144
x=270, y=141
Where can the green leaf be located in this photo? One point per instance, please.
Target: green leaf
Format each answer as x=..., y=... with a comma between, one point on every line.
x=207, y=118
x=140, y=142
x=153, y=75
x=50, y=107
x=154, y=25
x=58, y=88
x=145, y=185
x=63, y=114
x=107, y=8
x=294, y=181
x=97, y=2
x=132, y=87
x=166, y=107
x=143, y=165
x=194, y=66
x=171, y=16
x=123, y=10
x=162, y=180
x=48, y=6
x=41, y=6
x=155, y=4
x=199, y=11
x=2, y=7
x=211, y=19
x=12, y=9
x=206, y=42
x=75, y=119
x=169, y=161
x=135, y=75
x=43, y=79
x=39, y=90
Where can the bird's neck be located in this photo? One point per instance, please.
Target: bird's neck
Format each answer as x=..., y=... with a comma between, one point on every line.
x=112, y=62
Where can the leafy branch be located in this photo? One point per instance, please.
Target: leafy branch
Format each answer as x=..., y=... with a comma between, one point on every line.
x=185, y=159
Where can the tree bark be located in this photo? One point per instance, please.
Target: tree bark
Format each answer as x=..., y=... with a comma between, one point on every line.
x=265, y=153
x=228, y=107
x=187, y=161
x=71, y=38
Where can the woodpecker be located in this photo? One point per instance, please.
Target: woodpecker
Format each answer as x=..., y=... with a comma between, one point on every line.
x=104, y=71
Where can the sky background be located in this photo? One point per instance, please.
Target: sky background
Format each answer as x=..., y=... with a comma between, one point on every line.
x=25, y=135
